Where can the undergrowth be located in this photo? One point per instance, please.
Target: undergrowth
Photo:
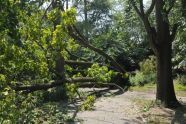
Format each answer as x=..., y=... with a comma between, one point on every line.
x=145, y=105
x=88, y=104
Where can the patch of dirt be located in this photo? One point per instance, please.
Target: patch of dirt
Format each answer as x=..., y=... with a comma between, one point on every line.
x=122, y=109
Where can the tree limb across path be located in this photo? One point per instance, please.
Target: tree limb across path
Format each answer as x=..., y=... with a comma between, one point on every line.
x=84, y=81
x=32, y=88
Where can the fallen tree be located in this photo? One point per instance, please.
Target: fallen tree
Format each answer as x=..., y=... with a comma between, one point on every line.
x=81, y=81
x=81, y=40
x=52, y=84
x=81, y=63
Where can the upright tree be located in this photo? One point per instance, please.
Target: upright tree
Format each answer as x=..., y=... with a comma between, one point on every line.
x=161, y=36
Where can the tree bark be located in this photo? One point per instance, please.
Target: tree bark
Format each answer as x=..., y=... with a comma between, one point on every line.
x=76, y=35
x=66, y=4
x=81, y=82
x=183, y=8
x=83, y=41
x=86, y=19
x=161, y=42
x=59, y=66
x=79, y=63
x=165, y=88
x=82, y=63
x=32, y=88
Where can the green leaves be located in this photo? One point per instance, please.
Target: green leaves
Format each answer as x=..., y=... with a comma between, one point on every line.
x=147, y=73
x=69, y=17
x=88, y=103
x=101, y=73
x=2, y=78
x=54, y=15
x=72, y=45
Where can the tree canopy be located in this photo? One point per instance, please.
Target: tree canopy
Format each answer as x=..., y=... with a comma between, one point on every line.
x=66, y=44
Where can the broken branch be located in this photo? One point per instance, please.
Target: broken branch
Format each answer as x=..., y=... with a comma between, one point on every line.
x=32, y=88
x=149, y=11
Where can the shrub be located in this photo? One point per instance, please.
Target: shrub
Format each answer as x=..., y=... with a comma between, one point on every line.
x=148, y=66
x=101, y=73
x=88, y=103
x=138, y=79
x=146, y=74
x=181, y=79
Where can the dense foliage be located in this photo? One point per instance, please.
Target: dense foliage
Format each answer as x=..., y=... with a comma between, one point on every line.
x=37, y=35
x=147, y=72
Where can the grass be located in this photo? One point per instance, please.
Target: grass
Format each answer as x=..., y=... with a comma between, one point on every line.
x=145, y=88
x=150, y=111
x=144, y=104
x=153, y=113
x=179, y=89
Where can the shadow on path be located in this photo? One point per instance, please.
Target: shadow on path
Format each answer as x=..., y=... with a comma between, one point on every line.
x=74, y=107
x=180, y=115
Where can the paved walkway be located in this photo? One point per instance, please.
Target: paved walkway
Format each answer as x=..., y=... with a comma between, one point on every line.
x=114, y=110
x=118, y=109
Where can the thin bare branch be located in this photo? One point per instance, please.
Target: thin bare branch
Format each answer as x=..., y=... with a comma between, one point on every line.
x=75, y=56
x=47, y=10
x=174, y=30
x=171, y=6
x=141, y=7
x=149, y=11
x=71, y=62
x=136, y=8
x=74, y=33
x=151, y=33
x=82, y=63
x=67, y=4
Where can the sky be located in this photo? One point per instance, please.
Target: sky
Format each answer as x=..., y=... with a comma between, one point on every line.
x=145, y=1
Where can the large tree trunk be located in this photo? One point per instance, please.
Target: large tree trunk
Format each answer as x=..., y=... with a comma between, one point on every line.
x=59, y=67
x=165, y=89
x=161, y=37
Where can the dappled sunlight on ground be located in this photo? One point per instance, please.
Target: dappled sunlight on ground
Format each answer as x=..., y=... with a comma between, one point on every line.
x=131, y=108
